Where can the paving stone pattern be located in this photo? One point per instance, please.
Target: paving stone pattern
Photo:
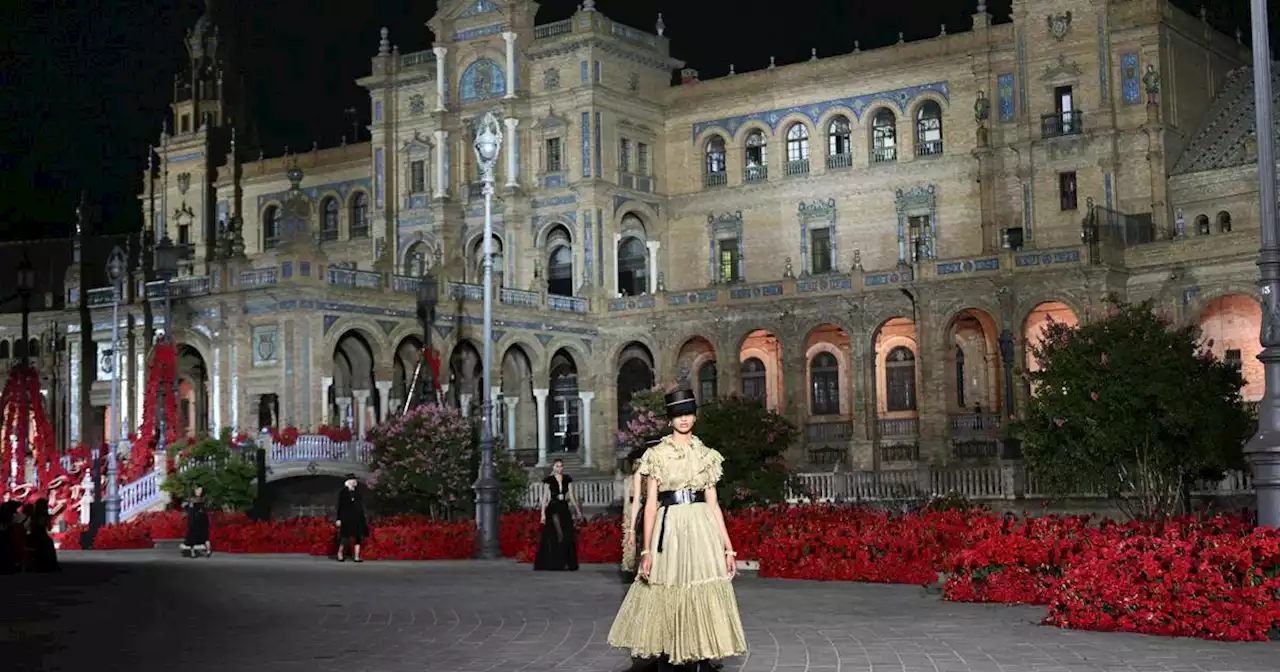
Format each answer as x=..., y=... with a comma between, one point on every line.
x=145, y=610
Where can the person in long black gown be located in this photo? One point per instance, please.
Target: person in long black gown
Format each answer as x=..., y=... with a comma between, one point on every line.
x=352, y=525
x=558, y=548
x=197, y=539
x=44, y=555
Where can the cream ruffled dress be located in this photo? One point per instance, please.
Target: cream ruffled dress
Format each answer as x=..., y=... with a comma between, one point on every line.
x=686, y=609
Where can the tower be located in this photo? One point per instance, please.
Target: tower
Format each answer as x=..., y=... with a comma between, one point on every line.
x=197, y=141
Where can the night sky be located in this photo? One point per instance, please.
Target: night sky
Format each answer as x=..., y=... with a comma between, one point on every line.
x=86, y=82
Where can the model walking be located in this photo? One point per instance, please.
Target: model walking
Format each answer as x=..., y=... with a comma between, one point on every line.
x=682, y=607
x=197, y=538
x=352, y=526
x=632, y=521
x=558, y=547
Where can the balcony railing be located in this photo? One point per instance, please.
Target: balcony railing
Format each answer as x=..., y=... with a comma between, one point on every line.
x=928, y=147
x=973, y=449
x=716, y=179
x=899, y=427
x=553, y=29
x=261, y=277
x=796, y=168
x=839, y=161
x=566, y=304
x=350, y=277
x=1060, y=124
x=179, y=288
x=636, y=181
x=465, y=291
x=405, y=284
x=884, y=154
x=900, y=452
x=828, y=432
x=756, y=173
x=518, y=297
x=99, y=297
x=358, y=231
x=975, y=422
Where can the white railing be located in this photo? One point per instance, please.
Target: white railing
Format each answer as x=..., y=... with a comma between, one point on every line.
x=141, y=494
x=319, y=448
x=593, y=493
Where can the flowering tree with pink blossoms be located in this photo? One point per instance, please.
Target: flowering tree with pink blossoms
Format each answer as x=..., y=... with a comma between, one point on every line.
x=426, y=460
x=648, y=419
x=1131, y=406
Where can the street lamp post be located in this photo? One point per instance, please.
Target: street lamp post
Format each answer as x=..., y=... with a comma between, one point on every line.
x=488, y=142
x=26, y=285
x=1263, y=451
x=427, y=299
x=115, y=272
x=166, y=266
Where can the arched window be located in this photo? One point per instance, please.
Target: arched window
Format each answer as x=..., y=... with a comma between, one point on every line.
x=560, y=263
x=1202, y=225
x=753, y=380
x=715, y=156
x=900, y=380
x=797, y=149
x=884, y=136
x=329, y=210
x=270, y=227
x=708, y=387
x=929, y=128
x=360, y=215
x=416, y=262
x=33, y=347
x=757, y=154
x=824, y=384
x=1224, y=222
x=4, y=349
x=839, y=143
x=633, y=272
x=960, y=377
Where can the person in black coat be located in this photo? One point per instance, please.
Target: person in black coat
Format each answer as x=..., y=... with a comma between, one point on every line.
x=197, y=539
x=352, y=526
x=44, y=555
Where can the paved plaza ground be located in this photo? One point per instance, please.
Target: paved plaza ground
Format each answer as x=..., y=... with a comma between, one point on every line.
x=145, y=611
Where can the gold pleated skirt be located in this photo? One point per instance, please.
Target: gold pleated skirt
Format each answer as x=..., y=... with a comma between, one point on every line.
x=686, y=609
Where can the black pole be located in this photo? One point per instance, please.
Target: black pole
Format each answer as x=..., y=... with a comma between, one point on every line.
x=1012, y=446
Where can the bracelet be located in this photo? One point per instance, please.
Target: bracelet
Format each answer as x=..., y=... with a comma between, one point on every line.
x=731, y=554
x=644, y=552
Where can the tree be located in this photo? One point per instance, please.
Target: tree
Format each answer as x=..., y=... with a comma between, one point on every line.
x=227, y=473
x=426, y=461
x=754, y=441
x=1130, y=406
x=648, y=419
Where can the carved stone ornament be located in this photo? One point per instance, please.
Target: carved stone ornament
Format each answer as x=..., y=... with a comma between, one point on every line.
x=787, y=271
x=633, y=82
x=1059, y=24
x=1062, y=68
x=184, y=182
x=982, y=107
x=551, y=78
x=417, y=105
x=1151, y=82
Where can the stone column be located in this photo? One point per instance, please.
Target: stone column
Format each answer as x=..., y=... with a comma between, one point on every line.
x=440, y=54
x=585, y=414
x=344, y=411
x=442, y=183
x=384, y=396
x=540, y=401
x=511, y=64
x=362, y=402
x=464, y=404
x=444, y=392
x=326, y=384
x=513, y=151
x=653, y=246
x=215, y=381
x=495, y=411
x=613, y=281
x=511, y=403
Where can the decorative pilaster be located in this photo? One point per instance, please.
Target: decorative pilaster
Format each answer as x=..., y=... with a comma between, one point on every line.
x=540, y=401
x=326, y=384
x=361, y=403
x=585, y=413
x=495, y=410
x=344, y=412
x=464, y=404
x=440, y=54
x=216, y=382
x=511, y=421
x=511, y=147
x=617, y=244
x=510, y=39
x=442, y=169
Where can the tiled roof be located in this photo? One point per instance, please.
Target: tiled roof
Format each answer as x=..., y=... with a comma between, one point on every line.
x=1220, y=141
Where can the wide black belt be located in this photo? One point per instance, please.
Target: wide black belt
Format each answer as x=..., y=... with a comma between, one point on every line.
x=668, y=498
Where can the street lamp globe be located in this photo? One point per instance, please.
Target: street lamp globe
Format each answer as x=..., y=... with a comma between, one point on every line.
x=427, y=297
x=26, y=279
x=488, y=140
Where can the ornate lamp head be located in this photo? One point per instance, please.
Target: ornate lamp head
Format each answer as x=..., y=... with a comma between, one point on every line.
x=488, y=142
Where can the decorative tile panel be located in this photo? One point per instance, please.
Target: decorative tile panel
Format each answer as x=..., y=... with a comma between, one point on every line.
x=1006, y=90
x=475, y=33
x=755, y=292
x=1108, y=190
x=1130, y=79
x=825, y=284
x=379, y=168
x=586, y=71
x=951, y=268
x=265, y=344
x=377, y=111
x=600, y=246
x=482, y=80
x=856, y=105
x=554, y=201
x=1046, y=258
x=597, y=145
x=632, y=303
x=703, y=296
x=586, y=248
x=586, y=143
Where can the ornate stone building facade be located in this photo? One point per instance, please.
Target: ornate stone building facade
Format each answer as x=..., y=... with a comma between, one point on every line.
x=867, y=242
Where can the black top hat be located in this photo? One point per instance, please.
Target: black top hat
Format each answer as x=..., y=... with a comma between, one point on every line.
x=350, y=477
x=681, y=402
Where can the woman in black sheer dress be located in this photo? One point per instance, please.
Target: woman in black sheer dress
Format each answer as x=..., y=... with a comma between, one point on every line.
x=558, y=549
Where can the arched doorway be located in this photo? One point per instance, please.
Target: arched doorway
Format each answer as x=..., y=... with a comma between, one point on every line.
x=973, y=381
x=696, y=369
x=635, y=374
x=352, y=381
x=559, y=250
x=897, y=381
x=516, y=421
x=760, y=359
x=465, y=377
x=827, y=358
x=407, y=356
x=1038, y=320
x=193, y=392
x=564, y=409
x=633, y=263
x=1230, y=327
